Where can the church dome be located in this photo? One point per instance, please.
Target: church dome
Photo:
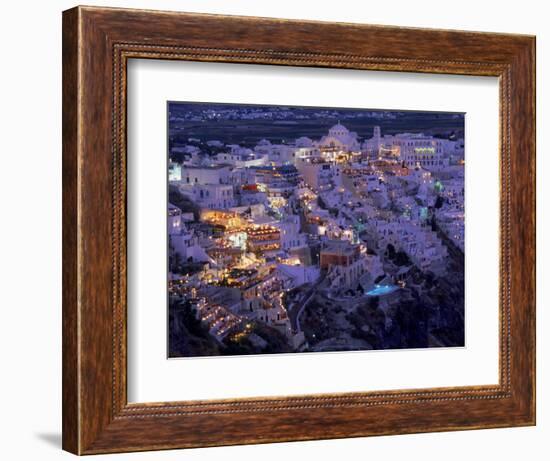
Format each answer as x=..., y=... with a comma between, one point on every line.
x=338, y=130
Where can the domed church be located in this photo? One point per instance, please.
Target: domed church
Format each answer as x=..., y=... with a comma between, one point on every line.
x=340, y=138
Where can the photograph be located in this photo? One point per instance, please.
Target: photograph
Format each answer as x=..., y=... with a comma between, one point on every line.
x=298, y=229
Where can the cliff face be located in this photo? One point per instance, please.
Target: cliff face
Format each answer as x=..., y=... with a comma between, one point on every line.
x=428, y=312
x=187, y=337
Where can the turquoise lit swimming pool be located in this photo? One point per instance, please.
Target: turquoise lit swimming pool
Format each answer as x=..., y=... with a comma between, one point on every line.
x=381, y=290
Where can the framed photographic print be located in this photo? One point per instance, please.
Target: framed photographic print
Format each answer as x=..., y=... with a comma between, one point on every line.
x=281, y=230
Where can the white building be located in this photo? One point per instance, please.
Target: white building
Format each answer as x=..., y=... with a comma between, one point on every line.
x=240, y=159
x=277, y=154
x=212, y=196
x=296, y=275
x=422, y=245
x=320, y=175
x=413, y=149
x=420, y=150
x=212, y=174
x=306, y=152
x=183, y=241
x=290, y=232
x=241, y=176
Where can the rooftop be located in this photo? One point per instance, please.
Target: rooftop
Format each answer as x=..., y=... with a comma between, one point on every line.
x=341, y=247
x=206, y=167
